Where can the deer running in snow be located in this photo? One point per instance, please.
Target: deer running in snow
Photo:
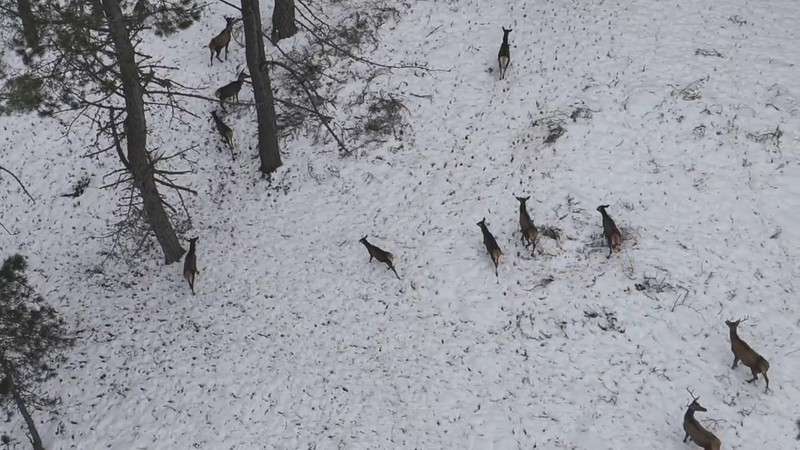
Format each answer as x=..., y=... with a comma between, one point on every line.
x=379, y=254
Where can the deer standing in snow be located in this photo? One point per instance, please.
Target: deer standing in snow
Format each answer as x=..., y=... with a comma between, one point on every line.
x=695, y=431
x=610, y=231
x=491, y=245
x=222, y=40
x=190, y=264
x=529, y=231
x=504, y=55
x=748, y=356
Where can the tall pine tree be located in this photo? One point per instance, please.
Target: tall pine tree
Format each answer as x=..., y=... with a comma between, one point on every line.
x=33, y=339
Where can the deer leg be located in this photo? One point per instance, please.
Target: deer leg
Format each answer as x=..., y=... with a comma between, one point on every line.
x=370, y=257
x=686, y=437
x=767, y=380
x=212, y=57
x=735, y=362
x=226, y=50
x=395, y=272
x=755, y=375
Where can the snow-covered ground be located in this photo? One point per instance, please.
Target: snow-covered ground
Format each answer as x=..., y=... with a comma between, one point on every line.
x=295, y=341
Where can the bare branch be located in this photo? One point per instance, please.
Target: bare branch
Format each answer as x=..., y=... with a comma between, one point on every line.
x=19, y=182
x=322, y=117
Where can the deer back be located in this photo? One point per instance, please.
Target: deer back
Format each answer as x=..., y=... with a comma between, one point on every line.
x=376, y=252
x=190, y=263
x=229, y=90
x=743, y=351
x=609, y=227
x=380, y=254
x=224, y=37
x=504, y=48
x=221, y=127
x=525, y=222
x=489, y=240
x=699, y=434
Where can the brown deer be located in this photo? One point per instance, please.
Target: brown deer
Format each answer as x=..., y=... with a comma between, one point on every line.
x=222, y=40
x=504, y=55
x=225, y=131
x=190, y=264
x=491, y=245
x=379, y=254
x=748, y=356
x=610, y=231
x=695, y=431
x=529, y=231
x=231, y=90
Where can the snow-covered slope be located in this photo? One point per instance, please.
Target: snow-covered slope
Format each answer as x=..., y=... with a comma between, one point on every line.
x=294, y=340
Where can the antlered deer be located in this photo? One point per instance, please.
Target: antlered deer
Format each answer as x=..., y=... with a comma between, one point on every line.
x=695, y=431
x=748, y=356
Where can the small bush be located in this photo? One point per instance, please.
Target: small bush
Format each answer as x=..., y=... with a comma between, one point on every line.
x=24, y=93
x=79, y=187
x=386, y=116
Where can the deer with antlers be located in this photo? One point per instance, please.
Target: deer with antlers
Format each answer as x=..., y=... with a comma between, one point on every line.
x=694, y=431
x=748, y=356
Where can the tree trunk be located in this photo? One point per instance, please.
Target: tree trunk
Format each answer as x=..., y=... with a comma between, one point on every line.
x=268, y=149
x=141, y=167
x=29, y=29
x=36, y=440
x=283, y=24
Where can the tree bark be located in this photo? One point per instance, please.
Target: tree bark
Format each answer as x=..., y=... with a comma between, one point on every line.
x=141, y=166
x=29, y=28
x=36, y=440
x=283, y=23
x=97, y=8
x=268, y=149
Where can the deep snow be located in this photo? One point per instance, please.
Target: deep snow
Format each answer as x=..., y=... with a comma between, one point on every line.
x=294, y=340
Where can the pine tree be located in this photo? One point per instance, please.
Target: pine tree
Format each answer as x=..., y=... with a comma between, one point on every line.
x=33, y=339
